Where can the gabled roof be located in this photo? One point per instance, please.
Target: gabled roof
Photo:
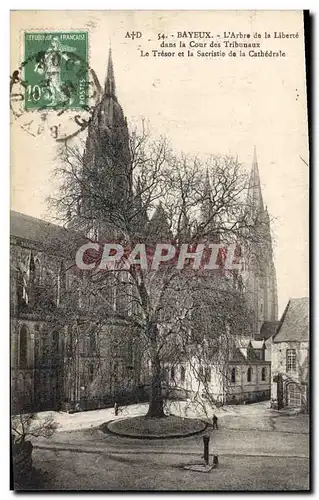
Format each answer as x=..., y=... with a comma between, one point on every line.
x=294, y=323
x=239, y=355
x=268, y=329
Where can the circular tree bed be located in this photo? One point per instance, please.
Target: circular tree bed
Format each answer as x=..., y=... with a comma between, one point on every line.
x=155, y=428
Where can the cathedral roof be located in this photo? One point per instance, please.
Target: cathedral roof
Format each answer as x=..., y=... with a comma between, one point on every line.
x=30, y=228
x=38, y=231
x=294, y=323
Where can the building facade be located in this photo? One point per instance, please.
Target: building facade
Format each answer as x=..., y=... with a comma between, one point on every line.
x=243, y=377
x=290, y=357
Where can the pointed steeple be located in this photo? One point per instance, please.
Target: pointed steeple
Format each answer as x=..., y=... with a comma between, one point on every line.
x=255, y=198
x=159, y=226
x=109, y=88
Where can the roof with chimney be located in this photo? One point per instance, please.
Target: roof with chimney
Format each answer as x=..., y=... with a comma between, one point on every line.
x=294, y=323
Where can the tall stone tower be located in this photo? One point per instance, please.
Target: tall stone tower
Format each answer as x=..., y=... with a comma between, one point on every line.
x=261, y=281
x=107, y=164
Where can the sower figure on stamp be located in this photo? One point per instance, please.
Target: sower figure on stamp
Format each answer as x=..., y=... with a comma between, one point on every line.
x=215, y=422
x=50, y=67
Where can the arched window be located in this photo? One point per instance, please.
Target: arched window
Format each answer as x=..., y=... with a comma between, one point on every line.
x=182, y=373
x=23, y=347
x=233, y=375
x=263, y=374
x=172, y=372
x=249, y=375
x=22, y=288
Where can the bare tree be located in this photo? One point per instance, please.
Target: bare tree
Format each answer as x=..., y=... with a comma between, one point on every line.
x=165, y=198
x=26, y=425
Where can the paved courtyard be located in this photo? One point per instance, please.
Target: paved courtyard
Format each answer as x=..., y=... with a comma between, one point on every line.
x=258, y=449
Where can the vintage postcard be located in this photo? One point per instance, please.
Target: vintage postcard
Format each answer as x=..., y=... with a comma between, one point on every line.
x=159, y=251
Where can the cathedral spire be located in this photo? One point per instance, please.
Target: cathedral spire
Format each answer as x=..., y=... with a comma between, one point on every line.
x=109, y=88
x=255, y=198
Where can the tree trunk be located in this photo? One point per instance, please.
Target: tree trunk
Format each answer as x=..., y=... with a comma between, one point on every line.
x=155, y=409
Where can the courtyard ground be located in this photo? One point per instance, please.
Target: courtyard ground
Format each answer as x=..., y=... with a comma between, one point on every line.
x=258, y=449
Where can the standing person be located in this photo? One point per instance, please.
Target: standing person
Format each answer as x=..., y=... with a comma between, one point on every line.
x=116, y=409
x=215, y=422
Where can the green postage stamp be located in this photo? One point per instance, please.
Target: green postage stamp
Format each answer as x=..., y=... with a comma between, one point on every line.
x=55, y=70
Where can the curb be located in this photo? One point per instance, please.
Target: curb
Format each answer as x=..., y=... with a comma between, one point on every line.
x=106, y=429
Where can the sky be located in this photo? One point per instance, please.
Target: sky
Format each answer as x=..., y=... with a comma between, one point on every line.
x=204, y=105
